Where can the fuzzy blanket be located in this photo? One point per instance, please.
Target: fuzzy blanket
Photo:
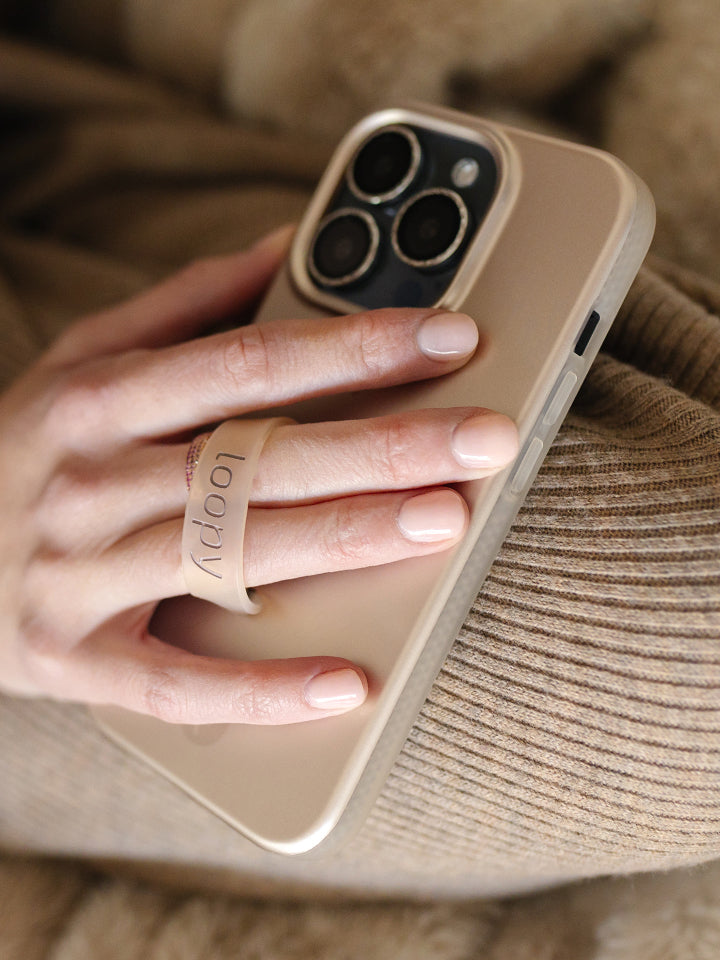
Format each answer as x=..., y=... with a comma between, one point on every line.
x=121, y=165
x=64, y=912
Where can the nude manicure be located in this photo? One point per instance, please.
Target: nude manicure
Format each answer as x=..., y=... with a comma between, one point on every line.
x=447, y=335
x=489, y=440
x=431, y=517
x=335, y=690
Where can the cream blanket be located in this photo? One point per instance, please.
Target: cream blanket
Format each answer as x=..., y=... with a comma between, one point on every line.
x=589, y=739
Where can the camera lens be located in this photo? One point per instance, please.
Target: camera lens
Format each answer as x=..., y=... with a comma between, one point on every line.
x=430, y=227
x=344, y=247
x=385, y=165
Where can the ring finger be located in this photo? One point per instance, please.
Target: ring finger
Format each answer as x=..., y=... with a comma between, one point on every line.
x=280, y=543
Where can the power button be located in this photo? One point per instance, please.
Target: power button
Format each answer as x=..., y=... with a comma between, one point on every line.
x=526, y=466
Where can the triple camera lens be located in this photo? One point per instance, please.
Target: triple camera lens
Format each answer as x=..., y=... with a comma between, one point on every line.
x=430, y=227
x=385, y=165
x=344, y=248
x=427, y=230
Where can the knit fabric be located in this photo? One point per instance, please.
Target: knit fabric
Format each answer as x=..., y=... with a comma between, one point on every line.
x=575, y=727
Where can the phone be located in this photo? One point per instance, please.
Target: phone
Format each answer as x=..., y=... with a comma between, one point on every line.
x=538, y=240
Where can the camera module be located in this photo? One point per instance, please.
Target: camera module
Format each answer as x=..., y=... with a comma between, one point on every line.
x=385, y=165
x=430, y=227
x=344, y=248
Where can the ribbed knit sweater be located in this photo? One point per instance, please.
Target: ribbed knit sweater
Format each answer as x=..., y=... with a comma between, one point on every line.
x=575, y=728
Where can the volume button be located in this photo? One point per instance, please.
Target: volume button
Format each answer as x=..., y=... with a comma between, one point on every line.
x=565, y=388
x=526, y=466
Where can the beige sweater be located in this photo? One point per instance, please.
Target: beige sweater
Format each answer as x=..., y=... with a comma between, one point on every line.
x=575, y=727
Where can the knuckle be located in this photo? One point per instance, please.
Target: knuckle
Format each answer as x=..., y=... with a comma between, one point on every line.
x=65, y=504
x=245, y=359
x=390, y=454
x=371, y=343
x=257, y=703
x=80, y=402
x=163, y=696
x=346, y=541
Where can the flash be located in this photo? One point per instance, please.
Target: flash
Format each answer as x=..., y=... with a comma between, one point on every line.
x=465, y=172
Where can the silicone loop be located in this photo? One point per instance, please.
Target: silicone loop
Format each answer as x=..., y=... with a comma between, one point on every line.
x=216, y=511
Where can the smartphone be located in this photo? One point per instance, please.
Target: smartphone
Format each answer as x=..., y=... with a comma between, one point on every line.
x=538, y=240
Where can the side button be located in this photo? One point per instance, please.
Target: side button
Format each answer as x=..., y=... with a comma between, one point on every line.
x=566, y=387
x=527, y=465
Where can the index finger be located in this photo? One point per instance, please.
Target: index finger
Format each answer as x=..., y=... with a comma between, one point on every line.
x=160, y=393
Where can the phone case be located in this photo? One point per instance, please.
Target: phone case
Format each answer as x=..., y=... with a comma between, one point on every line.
x=544, y=278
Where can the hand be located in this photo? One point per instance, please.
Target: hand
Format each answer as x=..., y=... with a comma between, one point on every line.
x=93, y=441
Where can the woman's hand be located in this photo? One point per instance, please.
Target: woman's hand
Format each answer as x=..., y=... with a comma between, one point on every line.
x=93, y=441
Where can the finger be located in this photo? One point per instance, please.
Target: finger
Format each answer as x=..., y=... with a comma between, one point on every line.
x=152, y=677
x=286, y=542
x=180, y=307
x=299, y=464
x=158, y=393
x=280, y=544
x=420, y=448
x=352, y=532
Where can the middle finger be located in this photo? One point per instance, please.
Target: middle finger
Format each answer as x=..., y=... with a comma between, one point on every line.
x=280, y=544
x=309, y=462
x=300, y=463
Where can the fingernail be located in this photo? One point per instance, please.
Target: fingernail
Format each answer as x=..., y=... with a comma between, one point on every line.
x=447, y=335
x=429, y=517
x=488, y=440
x=335, y=690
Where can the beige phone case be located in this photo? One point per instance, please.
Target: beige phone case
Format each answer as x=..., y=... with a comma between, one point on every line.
x=566, y=234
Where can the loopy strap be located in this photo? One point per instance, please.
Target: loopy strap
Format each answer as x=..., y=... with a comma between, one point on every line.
x=216, y=512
